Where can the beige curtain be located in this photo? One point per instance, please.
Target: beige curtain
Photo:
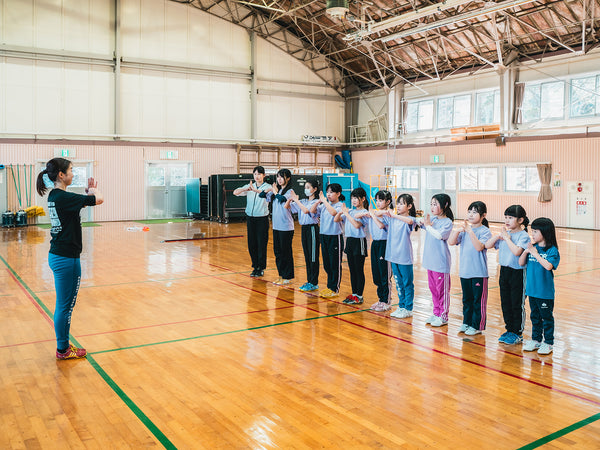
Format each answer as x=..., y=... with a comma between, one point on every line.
x=545, y=174
x=518, y=111
x=404, y=116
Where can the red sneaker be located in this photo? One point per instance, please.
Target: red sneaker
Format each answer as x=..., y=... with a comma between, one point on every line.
x=72, y=353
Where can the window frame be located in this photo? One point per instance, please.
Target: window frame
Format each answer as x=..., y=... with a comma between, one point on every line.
x=539, y=85
x=520, y=191
x=478, y=169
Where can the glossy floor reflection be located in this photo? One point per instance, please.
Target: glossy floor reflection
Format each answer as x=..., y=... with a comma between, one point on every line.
x=188, y=351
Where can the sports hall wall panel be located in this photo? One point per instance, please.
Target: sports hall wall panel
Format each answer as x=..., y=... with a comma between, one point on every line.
x=576, y=158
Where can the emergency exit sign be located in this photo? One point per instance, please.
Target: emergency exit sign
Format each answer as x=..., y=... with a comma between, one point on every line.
x=169, y=154
x=437, y=159
x=64, y=153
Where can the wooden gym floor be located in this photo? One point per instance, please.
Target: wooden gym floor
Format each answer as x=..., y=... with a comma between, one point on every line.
x=187, y=351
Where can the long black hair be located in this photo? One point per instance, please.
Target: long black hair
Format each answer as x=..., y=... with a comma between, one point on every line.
x=386, y=196
x=314, y=182
x=481, y=210
x=407, y=199
x=445, y=201
x=360, y=193
x=546, y=227
x=337, y=188
x=286, y=175
x=519, y=212
x=53, y=167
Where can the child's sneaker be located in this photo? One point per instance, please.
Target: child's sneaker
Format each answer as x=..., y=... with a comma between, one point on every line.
x=531, y=346
x=278, y=280
x=545, y=349
x=438, y=322
x=348, y=300
x=397, y=313
x=308, y=287
x=328, y=293
x=463, y=328
x=431, y=319
x=472, y=331
x=503, y=337
x=374, y=306
x=357, y=299
x=72, y=353
x=382, y=307
x=512, y=339
x=285, y=281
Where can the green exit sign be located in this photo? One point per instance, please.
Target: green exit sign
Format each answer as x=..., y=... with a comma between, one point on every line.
x=437, y=159
x=64, y=152
x=169, y=154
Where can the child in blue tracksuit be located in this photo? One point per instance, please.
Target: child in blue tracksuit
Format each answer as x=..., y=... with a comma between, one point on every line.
x=436, y=257
x=310, y=231
x=510, y=244
x=399, y=251
x=356, y=242
x=541, y=258
x=473, y=272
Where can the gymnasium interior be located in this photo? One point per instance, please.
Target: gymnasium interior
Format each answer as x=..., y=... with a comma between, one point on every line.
x=170, y=104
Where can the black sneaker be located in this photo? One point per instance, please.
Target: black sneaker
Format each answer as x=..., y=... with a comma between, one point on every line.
x=260, y=272
x=254, y=273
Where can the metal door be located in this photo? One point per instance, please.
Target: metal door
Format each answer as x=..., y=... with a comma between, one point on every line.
x=165, y=189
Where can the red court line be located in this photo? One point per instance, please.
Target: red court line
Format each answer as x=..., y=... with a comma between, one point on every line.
x=31, y=299
x=518, y=377
x=27, y=343
x=441, y=333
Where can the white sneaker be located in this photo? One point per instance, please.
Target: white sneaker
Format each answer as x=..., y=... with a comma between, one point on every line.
x=407, y=314
x=545, y=349
x=464, y=327
x=472, y=331
x=438, y=322
x=398, y=313
x=431, y=318
x=531, y=346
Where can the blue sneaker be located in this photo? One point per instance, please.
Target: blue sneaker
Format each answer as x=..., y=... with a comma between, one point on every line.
x=513, y=339
x=307, y=287
x=503, y=337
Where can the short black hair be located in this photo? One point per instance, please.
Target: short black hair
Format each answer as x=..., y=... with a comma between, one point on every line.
x=259, y=169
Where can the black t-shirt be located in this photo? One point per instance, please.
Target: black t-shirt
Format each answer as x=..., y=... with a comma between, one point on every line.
x=64, y=208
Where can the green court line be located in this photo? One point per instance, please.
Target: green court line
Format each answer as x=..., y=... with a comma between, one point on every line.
x=114, y=386
x=157, y=221
x=224, y=332
x=561, y=433
x=83, y=224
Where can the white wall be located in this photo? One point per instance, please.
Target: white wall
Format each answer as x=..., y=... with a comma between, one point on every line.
x=285, y=114
x=197, y=87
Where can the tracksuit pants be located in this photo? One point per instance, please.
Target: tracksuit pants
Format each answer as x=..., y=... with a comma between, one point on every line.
x=284, y=258
x=332, y=247
x=439, y=285
x=258, y=238
x=512, y=298
x=475, y=293
x=311, y=244
x=542, y=320
x=356, y=252
x=381, y=270
x=403, y=276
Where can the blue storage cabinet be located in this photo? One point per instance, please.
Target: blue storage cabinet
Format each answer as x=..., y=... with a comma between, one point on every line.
x=192, y=196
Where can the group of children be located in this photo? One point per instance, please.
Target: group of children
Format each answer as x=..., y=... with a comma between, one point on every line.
x=527, y=263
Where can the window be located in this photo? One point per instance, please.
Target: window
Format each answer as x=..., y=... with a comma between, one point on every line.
x=479, y=179
x=454, y=111
x=585, y=96
x=419, y=116
x=487, y=107
x=407, y=178
x=80, y=178
x=543, y=101
x=521, y=179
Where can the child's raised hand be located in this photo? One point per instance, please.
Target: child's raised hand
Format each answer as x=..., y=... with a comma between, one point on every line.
x=322, y=197
x=294, y=196
x=274, y=187
x=427, y=220
x=467, y=226
x=531, y=248
x=344, y=208
x=504, y=234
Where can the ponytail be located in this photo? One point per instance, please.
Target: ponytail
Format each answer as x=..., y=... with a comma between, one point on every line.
x=445, y=202
x=47, y=177
x=519, y=212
